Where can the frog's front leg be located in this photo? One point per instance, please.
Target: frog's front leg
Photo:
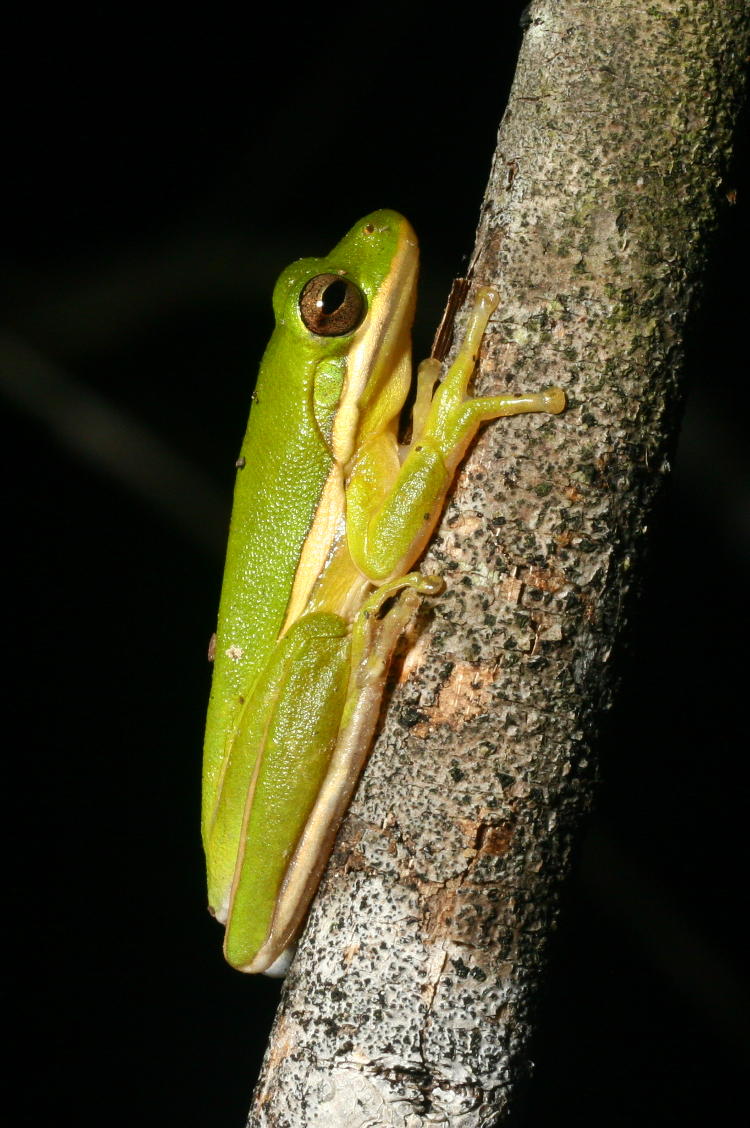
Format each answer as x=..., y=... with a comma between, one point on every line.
x=392, y=507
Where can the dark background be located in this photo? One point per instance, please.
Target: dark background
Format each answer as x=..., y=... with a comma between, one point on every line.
x=158, y=178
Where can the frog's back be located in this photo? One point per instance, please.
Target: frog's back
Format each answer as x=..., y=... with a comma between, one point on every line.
x=282, y=469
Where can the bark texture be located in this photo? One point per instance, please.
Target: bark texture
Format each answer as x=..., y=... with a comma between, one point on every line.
x=411, y=999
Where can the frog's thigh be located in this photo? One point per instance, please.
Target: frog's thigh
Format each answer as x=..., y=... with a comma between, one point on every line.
x=245, y=744
x=295, y=747
x=374, y=638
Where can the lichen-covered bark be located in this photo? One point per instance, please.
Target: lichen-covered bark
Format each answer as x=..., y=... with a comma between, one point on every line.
x=411, y=999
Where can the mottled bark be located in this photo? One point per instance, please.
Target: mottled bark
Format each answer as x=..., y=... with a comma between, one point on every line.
x=411, y=999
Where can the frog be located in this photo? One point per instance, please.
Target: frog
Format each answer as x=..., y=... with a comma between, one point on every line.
x=331, y=513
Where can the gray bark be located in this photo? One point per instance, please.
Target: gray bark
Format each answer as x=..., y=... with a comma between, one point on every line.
x=411, y=999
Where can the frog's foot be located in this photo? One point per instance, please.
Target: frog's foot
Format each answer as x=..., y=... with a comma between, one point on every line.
x=454, y=417
x=374, y=637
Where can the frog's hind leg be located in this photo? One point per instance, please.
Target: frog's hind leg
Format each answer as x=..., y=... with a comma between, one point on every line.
x=291, y=730
x=374, y=639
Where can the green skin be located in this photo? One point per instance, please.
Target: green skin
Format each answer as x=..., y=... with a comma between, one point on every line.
x=328, y=517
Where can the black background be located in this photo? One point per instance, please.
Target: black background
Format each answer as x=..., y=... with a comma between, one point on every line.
x=159, y=175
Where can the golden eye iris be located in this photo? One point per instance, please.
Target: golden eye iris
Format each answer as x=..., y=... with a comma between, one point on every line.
x=331, y=305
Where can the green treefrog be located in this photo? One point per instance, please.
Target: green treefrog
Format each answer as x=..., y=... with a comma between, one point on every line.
x=330, y=514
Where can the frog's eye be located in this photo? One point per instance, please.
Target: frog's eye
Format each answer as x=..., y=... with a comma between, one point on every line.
x=330, y=305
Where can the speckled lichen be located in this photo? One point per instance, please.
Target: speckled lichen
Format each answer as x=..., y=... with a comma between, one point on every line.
x=411, y=1000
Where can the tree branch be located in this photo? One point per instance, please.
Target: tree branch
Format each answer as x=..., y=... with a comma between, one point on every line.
x=411, y=998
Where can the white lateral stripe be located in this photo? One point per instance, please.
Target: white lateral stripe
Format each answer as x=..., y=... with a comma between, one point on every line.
x=328, y=521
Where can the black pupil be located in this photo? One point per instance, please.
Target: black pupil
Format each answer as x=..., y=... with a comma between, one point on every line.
x=332, y=297
x=331, y=305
